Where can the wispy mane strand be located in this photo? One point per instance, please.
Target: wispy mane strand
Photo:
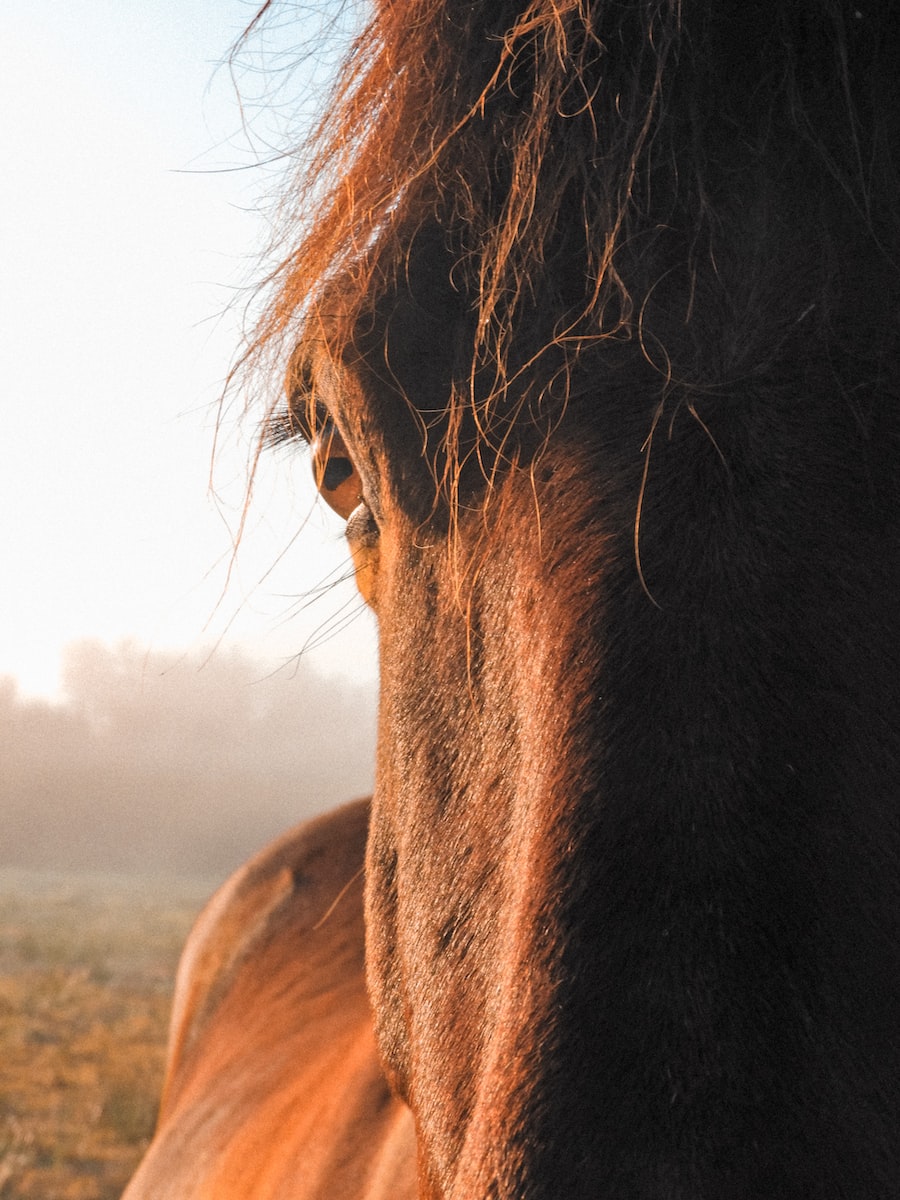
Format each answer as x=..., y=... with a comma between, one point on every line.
x=568, y=132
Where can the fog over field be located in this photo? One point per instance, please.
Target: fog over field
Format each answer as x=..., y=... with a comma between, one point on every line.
x=158, y=764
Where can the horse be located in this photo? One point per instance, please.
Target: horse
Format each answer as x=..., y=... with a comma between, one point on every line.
x=589, y=312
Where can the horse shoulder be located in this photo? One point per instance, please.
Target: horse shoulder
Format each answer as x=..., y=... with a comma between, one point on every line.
x=273, y=1086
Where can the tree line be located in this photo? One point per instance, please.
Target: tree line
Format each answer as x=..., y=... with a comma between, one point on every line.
x=160, y=764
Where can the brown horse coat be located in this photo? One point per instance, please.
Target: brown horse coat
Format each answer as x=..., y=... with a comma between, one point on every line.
x=273, y=1088
x=592, y=309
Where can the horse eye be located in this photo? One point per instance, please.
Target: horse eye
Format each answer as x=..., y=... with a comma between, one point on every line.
x=336, y=477
x=337, y=471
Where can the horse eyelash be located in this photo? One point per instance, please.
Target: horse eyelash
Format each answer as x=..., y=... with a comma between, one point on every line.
x=281, y=427
x=291, y=422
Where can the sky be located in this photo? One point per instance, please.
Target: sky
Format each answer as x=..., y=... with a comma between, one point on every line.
x=132, y=217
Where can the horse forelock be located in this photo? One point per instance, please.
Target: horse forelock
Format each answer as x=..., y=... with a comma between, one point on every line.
x=581, y=151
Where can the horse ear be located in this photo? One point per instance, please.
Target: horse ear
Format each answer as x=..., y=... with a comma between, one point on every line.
x=336, y=477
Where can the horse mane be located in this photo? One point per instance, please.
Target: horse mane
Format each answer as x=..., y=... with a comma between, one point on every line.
x=563, y=146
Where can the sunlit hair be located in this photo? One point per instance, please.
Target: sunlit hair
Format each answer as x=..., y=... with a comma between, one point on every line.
x=558, y=144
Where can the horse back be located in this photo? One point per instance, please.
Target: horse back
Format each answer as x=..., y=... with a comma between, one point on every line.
x=273, y=1086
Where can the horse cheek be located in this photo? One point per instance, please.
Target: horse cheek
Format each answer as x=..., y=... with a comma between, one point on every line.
x=365, y=566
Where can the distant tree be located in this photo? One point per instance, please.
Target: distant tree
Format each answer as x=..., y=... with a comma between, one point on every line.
x=160, y=763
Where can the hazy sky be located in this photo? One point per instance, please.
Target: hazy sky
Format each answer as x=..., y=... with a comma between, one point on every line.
x=125, y=238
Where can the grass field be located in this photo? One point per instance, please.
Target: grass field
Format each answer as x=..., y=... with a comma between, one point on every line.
x=86, y=972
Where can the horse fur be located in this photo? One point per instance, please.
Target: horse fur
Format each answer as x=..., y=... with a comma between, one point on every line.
x=599, y=302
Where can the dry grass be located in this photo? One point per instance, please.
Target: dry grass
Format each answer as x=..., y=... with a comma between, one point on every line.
x=86, y=971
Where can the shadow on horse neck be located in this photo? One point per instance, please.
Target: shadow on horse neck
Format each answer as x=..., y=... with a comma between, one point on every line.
x=603, y=320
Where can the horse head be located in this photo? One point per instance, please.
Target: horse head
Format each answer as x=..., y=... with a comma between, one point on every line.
x=614, y=383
